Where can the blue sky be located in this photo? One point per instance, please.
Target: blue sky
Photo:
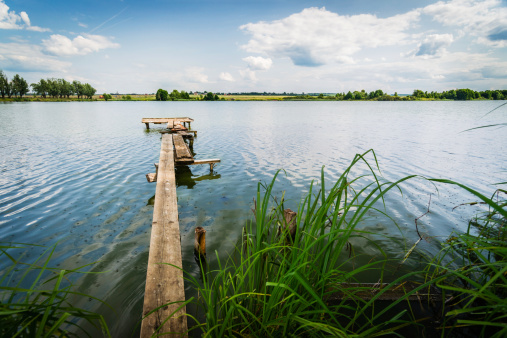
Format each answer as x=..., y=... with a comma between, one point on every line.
x=240, y=45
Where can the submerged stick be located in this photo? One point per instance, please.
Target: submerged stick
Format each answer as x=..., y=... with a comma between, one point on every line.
x=200, y=243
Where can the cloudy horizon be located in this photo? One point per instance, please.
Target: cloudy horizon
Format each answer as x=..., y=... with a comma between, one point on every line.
x=224, y=46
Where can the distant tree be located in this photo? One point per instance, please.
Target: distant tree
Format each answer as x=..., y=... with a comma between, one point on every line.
x=209, y=97
x=40, y=88
x=465, y=94
x=65, y=87
x=418, y=93
x=78, y=89
x=4, y=84
x=216, y=98
x=107, y=97
x=396, y=94
x=19, y=86
x=184, y=95
x=321, y=96
x=175, y=95
x=359, y=95
x=89, y=91
x=53, y=88
x=162, y=95
x=497, y=95
x=348, y=96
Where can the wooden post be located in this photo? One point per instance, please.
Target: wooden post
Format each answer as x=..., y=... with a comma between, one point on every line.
x=147, y=125
x=200, y=243
x=164, y=283
x=290, y=218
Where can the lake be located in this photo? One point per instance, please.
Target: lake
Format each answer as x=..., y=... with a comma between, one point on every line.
x=74, y=173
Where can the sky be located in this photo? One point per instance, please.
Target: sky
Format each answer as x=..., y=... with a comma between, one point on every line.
x=317, y=46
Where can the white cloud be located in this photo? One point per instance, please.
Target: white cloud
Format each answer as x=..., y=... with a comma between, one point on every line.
x=196, y=75
x=258, y=62
x=80, y=45
x=80, y=24
x=9, y=20
x=25, y=18
x=485, y=19
x=248, y=74
x=317, y=36
x=226, y=77
x=433, y=45
x=26, y=57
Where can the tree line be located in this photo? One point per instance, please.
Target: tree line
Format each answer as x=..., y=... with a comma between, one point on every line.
x=55, y=88
x=379, y=95
x=462, y=94
x=163, y=95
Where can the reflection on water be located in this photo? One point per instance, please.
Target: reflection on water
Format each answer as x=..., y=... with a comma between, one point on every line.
x=185, y=178
x=75, y=173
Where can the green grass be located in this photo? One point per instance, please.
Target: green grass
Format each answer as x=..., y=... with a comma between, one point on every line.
x=34, y=298
x=276, y=285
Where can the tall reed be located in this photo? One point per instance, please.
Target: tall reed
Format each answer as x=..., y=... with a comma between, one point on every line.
x=35, y=298
x=276, y=284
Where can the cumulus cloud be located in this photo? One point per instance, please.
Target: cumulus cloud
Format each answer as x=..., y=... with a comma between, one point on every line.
x=25, y=18
x=226, y=77
x=258, y=62
x=433, y=45
x=9, y=20
x=83, y=44
x=317, y=36
x=486, y=19
x=26, y=57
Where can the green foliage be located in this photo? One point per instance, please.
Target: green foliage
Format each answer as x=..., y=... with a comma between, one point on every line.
x=348, y=96
x=107, y=97
x=277, y=284
x=4, y=84
x=162, y=95
x=211, y=97
x=473, y=267
x=175, y=95
x=19, y=86
x=35, y=298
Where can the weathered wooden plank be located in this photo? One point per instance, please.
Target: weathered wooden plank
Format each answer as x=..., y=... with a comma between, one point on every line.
x=214, y=160
x=166, y=119
x=164, y=283
x=183, y=154
x=151, y=177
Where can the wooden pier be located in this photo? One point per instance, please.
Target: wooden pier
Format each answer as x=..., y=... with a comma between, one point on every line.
x=163, y=309
x=170, y=121
x=165, y=290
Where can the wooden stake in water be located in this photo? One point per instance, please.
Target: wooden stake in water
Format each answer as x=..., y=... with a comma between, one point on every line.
x=200, y=243
x=290, y=223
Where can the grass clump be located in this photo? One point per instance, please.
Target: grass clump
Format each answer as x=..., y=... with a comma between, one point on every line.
x=35, y=298
x=281, y=284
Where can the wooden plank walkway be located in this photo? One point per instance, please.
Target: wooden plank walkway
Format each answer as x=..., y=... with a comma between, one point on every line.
x=164, y=283
x=169, y=120
x=183, y=154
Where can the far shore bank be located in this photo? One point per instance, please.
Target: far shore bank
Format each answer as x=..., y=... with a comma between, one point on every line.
x=151, y=97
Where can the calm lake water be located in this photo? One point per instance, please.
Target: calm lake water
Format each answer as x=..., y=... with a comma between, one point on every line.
x=74, y=173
